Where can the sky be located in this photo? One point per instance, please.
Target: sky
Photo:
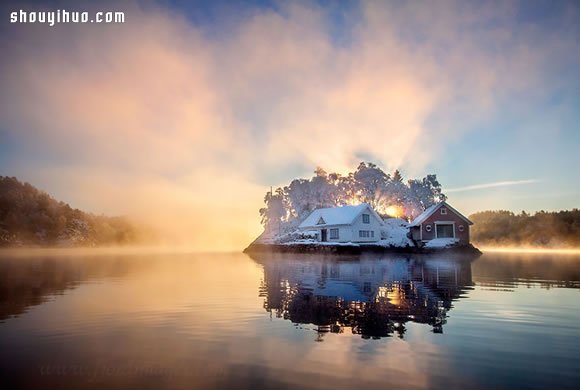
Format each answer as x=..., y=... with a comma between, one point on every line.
x=188, y=112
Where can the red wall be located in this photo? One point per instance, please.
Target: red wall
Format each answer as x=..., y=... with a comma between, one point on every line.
x=449, y=217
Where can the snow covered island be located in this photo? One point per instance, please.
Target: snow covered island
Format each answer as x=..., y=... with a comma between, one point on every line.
x=359, y=228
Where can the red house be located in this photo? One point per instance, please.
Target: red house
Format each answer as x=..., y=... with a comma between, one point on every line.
x=440, y=221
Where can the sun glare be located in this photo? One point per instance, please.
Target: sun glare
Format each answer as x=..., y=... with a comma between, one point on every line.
x=394, y=211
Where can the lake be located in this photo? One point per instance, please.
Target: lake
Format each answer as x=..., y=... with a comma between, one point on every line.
x=78, y=319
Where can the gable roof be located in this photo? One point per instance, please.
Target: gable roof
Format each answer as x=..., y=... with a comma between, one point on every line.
x=430, y=210
x=344, y=215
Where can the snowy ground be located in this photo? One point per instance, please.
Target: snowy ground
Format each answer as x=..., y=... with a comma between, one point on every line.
x=394, y=233
x=441, y=243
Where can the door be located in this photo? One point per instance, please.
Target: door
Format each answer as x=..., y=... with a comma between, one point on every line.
x=323, y=235
x=445, y=231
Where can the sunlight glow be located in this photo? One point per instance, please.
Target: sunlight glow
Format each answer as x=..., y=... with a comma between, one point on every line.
x=564, y=251
x=394, y=211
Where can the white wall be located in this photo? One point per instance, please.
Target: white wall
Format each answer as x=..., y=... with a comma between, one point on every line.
x=374, y=225
x=344, y=233
x=350, y=233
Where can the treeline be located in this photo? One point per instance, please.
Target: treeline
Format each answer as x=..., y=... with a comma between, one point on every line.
x=388, y=194
x=29, y=216
x=560, y=229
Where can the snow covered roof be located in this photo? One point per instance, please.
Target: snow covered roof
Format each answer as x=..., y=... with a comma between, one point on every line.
x=430, y=210
x=424, y=215
x=344, y=215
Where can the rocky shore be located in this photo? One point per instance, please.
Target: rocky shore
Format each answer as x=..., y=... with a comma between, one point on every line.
x=355, y=249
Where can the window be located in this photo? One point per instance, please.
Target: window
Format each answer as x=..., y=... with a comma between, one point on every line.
x=428, y=228
x=321, y=221
x=366, y=233
x=461, y=228
x=372, y=233
x=444, y=231
x=443, y=211
x=334, y=234
x=366, y=218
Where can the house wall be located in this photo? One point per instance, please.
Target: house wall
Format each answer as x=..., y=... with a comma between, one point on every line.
x=344, y=233
x=350, y=233
x=374, y=225
x=449, y=217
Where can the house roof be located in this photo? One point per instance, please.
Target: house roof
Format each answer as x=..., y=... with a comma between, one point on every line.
x=430, y=210
x=344, y=215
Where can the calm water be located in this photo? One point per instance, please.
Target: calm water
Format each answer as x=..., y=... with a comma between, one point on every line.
x=222, y=321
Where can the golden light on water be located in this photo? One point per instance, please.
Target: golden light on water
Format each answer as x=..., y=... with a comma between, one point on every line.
x=564, y=251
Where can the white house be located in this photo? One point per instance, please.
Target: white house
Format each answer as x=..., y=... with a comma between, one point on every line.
x=345, y=224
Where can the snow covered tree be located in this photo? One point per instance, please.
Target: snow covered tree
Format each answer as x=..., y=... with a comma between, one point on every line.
x=275, y=211
x=290, y=205
x=370, y=184
x=423, y=194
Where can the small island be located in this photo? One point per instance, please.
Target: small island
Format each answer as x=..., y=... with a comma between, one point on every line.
x=366, y=211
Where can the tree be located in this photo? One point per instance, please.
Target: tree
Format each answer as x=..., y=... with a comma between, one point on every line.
x=367, y=184
x=397, y=177
x=274, y=212
x=29, y=216
x=370, y=184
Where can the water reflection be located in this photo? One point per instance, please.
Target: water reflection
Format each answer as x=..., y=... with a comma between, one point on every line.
x=506, y=271
x=368, y=296
x=196, y=321
x=30, y=281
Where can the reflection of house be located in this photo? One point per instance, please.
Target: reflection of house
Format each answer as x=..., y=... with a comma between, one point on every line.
x=345, y=224
x=440, y=221
x=374, y=298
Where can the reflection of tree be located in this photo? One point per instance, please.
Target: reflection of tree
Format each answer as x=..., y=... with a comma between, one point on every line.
x=27, y=282
x=371, y=297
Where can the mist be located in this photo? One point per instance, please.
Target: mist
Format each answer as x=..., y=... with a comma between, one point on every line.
x=182, y=129
x=505, y=230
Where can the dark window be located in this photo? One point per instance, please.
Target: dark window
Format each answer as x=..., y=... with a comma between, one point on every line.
x=443, y=211
x=334, y=234
x=445, y=231
x=367, y=287
x=366, y=218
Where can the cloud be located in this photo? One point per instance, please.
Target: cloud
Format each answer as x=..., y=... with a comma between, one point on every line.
x=160, y=119
x=491, y=185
